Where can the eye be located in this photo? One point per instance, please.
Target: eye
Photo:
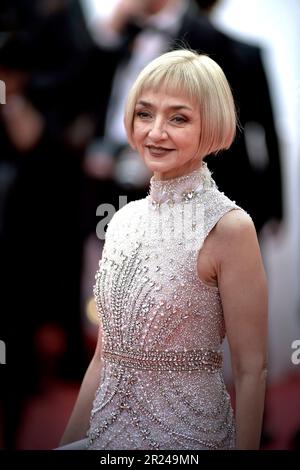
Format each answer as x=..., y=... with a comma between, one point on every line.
x=143, y=114
x=179, y=119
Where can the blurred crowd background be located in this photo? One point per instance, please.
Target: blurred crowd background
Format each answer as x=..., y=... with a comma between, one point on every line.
x=65, y=69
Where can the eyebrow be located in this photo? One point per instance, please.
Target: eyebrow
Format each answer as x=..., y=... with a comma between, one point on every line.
x=175, y=106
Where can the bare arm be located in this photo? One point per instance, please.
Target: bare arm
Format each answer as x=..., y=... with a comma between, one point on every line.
x=79, y=421
x=243, y=289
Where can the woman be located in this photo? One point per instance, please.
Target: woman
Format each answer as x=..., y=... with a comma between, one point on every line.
x=179, y=269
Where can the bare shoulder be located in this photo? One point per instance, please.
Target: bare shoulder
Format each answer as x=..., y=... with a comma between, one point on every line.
x=235, y=224
x=232, y=238
x=235, y=236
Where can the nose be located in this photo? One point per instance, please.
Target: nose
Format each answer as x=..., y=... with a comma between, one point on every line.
x=157, y=131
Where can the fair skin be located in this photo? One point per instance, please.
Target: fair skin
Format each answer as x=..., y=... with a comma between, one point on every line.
x=79, y=421
x=166, y=134
x=231, y=259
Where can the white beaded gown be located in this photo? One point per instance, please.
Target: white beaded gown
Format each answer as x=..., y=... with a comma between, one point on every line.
x=161, y=383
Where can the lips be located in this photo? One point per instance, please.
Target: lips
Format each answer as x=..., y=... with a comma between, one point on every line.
x=157, y=150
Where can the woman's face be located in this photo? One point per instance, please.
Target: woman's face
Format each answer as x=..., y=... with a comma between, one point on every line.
x=166, y=133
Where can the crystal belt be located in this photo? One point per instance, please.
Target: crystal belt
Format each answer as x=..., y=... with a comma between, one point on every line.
x=195, y=359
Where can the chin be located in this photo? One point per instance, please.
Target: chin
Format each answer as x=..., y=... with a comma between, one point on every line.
x=159, y=165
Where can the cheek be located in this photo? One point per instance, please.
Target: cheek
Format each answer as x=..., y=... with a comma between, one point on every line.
x=186, y=142
x=136, y=139
x=138, y=133
x=191, y=139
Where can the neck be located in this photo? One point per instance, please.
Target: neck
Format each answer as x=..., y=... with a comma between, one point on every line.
x=182, y=187
x=184, y=170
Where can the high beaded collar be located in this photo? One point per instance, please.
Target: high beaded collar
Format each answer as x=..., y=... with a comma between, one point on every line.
x=182, y=188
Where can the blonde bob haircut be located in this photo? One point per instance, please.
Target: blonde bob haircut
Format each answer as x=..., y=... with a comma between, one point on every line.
x=200, y=79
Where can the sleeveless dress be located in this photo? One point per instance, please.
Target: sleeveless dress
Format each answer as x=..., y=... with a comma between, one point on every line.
x=161, y=383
